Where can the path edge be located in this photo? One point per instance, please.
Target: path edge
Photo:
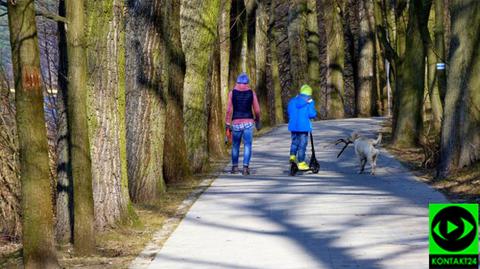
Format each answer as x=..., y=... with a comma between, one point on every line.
x=148, y=254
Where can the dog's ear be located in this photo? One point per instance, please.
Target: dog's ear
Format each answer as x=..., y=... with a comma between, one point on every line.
x=354, y=136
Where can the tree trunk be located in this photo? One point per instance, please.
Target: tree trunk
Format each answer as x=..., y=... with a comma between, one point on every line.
x=145, y=104
x=313, y=51
x=460, y=140
x=106, y=110
x=365, y=102
x=216, y=144
x=380, y=105
x=224, y=37
x=261, y=46
x=64, y=203
x=10, y=187
x=198, y=22
x=297, y=17
x=439, y=32
x=433, y=91
x=84, y=238
x=335, y=59
x=275, y=66
x=175, y=162
x=237, y=34
x=411, y=80
x=250, y=41
x=38, y=234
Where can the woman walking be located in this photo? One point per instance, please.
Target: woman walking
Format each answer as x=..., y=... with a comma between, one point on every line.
x=241, y=107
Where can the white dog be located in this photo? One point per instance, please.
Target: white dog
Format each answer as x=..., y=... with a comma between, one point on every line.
x=364, y=149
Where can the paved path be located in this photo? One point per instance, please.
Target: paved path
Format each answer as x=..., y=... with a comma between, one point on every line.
x=335, y=219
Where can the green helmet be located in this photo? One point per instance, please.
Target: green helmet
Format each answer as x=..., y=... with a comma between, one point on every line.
x=307, y=90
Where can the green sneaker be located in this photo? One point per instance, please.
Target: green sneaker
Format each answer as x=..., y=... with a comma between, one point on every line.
x=303, y=166
x=293, y=158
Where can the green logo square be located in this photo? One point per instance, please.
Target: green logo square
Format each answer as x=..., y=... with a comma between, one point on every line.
x=453, y=229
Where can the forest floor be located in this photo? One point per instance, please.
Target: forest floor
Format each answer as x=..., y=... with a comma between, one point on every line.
x=116, y=248
x=463, y=186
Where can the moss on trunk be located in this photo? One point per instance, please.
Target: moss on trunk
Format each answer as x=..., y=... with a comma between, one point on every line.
x=198, y=22
x=106, y=108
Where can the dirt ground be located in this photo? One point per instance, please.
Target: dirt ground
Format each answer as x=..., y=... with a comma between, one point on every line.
x=463, y=186
x=117, y=247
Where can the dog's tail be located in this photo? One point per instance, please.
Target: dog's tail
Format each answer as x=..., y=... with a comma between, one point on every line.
x=378, y=141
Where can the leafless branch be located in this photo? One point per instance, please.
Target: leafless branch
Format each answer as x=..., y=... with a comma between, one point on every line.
x=51, y=16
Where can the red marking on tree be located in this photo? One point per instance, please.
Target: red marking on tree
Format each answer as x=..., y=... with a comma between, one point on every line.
x=31, y=78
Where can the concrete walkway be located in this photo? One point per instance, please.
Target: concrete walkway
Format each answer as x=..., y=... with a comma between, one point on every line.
x=335, y=219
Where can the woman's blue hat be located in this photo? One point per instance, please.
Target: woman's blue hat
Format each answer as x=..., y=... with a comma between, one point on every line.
x=243, y=79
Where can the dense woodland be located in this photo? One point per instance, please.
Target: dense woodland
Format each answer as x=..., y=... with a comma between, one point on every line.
x=114, y=100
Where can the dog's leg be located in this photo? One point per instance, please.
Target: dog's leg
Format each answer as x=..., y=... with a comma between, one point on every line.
x=363, y=162
x=374, y=163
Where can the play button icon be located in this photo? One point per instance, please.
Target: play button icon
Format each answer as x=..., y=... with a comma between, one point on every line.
x=454, y=228
x=451, y=227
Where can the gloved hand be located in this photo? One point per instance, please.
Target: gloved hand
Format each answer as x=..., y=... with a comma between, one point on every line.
x=258, y=125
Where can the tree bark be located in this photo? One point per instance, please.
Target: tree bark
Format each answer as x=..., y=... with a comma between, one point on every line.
x=224, y=37
x=216, y=146
x=38, y=234
x=10, y=187
x=145, y=103
x=275, y=66
x=83, y=236
x=313, y=51
x=198, y=23
x=261, y=46
x=237, y=34
x=64, y=202
x=365, y=101
x=439, y=32
x=297, y=17
x=335, y=59
x=411, y=80
x=106, y=111
x=433, y=91
x=175, y=162
x=460, y=141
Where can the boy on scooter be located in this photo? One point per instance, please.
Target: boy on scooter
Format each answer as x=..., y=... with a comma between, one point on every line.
x=301, y=109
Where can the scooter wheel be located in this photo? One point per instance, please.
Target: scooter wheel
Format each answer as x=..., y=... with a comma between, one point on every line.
x=315, y=170
x=293, y=169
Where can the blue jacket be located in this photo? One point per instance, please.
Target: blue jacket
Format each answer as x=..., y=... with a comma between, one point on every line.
x=300, y=110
